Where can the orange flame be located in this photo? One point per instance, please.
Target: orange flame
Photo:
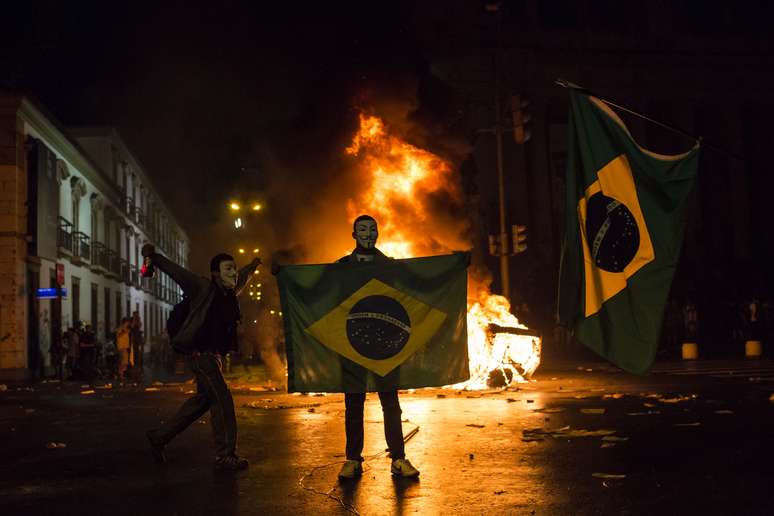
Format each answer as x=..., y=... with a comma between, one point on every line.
x=417, y=199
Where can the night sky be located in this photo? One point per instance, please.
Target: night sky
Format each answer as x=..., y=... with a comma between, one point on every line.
x=241, y=92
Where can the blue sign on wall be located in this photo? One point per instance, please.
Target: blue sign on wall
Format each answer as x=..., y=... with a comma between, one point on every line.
x=50, y=293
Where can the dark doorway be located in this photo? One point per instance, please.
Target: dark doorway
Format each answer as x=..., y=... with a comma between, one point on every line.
x=34, y=357
x=76, y=300
x=56, y=315
x=94, y=308
x=108, y=325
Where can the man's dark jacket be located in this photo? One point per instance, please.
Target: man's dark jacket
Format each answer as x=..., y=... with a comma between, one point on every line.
x=201, y=292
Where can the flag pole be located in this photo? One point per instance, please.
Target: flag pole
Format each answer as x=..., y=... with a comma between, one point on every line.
x=698, y=139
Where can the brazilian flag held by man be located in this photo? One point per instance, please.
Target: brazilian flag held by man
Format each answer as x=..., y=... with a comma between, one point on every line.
x=625, y=209
x=377, y=324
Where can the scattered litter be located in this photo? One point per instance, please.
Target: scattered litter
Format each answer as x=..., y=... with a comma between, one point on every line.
x=471, y=456
x=530, y=401
x=547, y=410
x=258, y=389
x=157, y=383
x=152, y=389
x=440, y=395
x=54, y=446
x=90, y=391
x=609, y=476
x=311, y=410
x=29, y=410
x=724, y=411
x=614, y=438
x=511, y=400
x=103, y=387
x=189, y=392
x=607, y=445
x=473, y=396
x=598, y=389
x=646, y=413
x=563, y=432
x=580, y=396
x=531, y=438
x=654, y=396
x=649, y=405
x=589, y=370
x=615, y=396
x=474, y=425
x=85, y=386
x=499, y=492
x=696, y=423
x=678, y=399
x=3, y=387
x=592, y=411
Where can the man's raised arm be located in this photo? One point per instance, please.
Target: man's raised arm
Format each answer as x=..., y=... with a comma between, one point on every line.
x=187, y=280
x=244, y=275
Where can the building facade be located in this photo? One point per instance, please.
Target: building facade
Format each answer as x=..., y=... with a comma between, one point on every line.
x=76, y=206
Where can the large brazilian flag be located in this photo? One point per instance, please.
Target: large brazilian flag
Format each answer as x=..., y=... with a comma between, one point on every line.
x=375, y=326
x=625, y=210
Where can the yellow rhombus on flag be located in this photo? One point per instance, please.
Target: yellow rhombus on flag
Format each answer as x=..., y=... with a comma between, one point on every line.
x=376, y=340
x=616, y=183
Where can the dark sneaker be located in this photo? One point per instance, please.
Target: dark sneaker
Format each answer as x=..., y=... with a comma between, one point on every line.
x=157, y=448
x=231, y=463
x=403, y=468
x=351, y=469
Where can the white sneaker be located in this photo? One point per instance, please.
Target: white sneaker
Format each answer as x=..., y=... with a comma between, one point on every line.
x=351, y=469
x=403, y=468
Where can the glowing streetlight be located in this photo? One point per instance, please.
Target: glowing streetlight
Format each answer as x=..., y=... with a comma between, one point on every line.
x=238, y=222
x=255, y=251
x=271, y=312
x=241, y=251
x=234, y=206
x=256, y=207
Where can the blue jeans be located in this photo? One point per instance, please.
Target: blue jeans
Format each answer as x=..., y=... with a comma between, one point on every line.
x=212, y=394
x=353, y=424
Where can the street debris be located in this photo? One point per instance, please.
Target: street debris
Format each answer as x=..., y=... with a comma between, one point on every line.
x=511, y=400
x=615, y=396
x=90, y=391
x=678, y=399
x=592, y=411
x=499, y=492
x=614, y=438
x=646, y=413
x=29, y=410
x=530, y=401
x=546, y=410
x=649, y=405
x=724, y=411
x=474, y=425
x=609, y=476
x=311, y=410
x=607, y=445
x=189, y=392
x=152, y=389
x=563, y=432
x=440, y=395
x=54, y=446
x=262, y=405
x=471, y=456
x=688, y=424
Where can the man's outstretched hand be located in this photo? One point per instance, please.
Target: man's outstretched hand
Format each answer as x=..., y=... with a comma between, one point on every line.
x=148, y=250
x=255, y=263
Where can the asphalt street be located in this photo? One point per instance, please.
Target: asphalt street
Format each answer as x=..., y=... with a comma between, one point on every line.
x=691, y=439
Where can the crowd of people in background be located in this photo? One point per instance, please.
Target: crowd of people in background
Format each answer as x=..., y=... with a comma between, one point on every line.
x=79, y=355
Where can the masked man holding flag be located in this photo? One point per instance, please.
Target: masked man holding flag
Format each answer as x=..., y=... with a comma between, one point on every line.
x=365, y=233
x=204, y=326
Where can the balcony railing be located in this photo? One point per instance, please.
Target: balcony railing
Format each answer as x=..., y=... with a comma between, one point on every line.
x=124, y=272
x=113, y=263
x=135, y=276
x=81, y=245
x=99, y=255
x=64, y=235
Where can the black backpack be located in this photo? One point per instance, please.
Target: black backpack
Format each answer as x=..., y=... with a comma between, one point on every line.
x=177, y=317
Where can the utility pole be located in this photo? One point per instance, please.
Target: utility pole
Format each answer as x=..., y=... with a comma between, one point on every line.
x=505, y=276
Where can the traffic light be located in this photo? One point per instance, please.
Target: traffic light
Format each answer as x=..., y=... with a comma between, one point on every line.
x=519, y=238
x=521, y=119
x=494, y=245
